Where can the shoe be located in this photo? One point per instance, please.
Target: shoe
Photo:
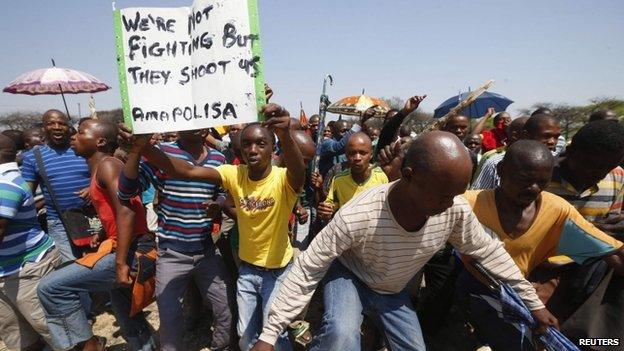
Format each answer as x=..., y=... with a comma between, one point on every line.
x=301, y=331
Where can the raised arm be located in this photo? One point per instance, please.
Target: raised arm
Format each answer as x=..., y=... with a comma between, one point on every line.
x=278, y=121
x=389, y=131
x=480, y=126
x=173, y=167
x=178, y=168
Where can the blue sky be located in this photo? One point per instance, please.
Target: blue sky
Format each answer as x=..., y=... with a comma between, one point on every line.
x=559, y=51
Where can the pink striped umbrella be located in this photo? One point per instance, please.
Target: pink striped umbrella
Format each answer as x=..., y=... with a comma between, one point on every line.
x=55, y=80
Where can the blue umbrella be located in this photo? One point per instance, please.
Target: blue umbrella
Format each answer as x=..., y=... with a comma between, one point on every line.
x=476, y=109
x=514, y=310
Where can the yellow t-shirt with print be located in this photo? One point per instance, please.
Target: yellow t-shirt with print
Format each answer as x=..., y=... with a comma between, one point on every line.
x=343, y=188
x=263, y=208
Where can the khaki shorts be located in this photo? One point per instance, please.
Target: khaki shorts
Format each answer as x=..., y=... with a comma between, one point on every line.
x=22, y=321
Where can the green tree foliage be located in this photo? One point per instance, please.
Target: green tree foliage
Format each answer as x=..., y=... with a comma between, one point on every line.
x=574, y=117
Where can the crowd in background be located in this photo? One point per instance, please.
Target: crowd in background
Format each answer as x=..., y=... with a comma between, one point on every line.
x=388, y=233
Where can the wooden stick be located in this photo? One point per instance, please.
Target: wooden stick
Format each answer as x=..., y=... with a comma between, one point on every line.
x=440, y=122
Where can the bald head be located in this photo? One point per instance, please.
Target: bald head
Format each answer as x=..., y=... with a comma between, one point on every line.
x=404, y=131
x=106, y=130
x=313, y=123
x=33, y=131
x=437, y=168
x=7, y=149
x=32, y=137
x=53, y=113
x=603, y=114
x=528, y=153
x=542, y=111
x=295, y=124
x=305, y=144
x=535, y=122
x=339, y=128
x=359, y=138
x=438, y=152
x=525, y=172
x=515, y=128
x=359, y=152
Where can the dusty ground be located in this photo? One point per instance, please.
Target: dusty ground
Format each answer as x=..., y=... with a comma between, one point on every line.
x=197, y=337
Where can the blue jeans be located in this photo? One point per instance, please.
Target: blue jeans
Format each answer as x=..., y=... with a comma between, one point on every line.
x=59, y=295
x=347, y=299
x=256, y=288
x=61, y=240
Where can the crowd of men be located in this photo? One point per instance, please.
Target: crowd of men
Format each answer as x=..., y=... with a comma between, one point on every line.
x=391, y=232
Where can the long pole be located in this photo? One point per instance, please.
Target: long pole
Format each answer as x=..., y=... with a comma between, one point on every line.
x=62, y=95
x=323, y=103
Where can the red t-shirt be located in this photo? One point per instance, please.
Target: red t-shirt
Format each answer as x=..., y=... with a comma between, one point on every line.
x=493, y=139
x=104, y=208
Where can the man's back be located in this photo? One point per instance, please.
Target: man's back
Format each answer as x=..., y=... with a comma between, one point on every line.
x=23, y=241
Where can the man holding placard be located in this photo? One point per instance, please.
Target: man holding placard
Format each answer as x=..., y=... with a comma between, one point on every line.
x=185, y=248
x=187, y=69
x=264, y=196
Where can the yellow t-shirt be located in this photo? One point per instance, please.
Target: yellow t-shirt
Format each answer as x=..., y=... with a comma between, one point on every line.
x=558, y=229
x=343, y=188
x=263, y=208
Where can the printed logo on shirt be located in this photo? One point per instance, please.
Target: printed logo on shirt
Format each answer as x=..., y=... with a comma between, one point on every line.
x=253, y=204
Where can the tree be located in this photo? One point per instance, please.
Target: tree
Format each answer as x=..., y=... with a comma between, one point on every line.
x=572, y=118
x=395, y=102
x=19, y=120
x=114, y=116
x=417, y=120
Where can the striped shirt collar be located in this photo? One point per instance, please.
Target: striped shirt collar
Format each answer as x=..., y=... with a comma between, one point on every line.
x=565, y=185
x=9, y=166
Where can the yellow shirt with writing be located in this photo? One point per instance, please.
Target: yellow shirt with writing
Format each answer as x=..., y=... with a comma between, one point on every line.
x=343, y=188
x=263, y=208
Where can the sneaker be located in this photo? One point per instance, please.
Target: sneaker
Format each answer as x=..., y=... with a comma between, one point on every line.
x=301, y=331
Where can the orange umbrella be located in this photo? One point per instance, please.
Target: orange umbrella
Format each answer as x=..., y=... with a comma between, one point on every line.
x=356, y=105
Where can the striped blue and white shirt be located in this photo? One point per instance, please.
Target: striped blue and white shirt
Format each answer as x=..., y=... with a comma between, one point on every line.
x=183, y=224
x=67, y=172
x=488, y=178
x=23, y=240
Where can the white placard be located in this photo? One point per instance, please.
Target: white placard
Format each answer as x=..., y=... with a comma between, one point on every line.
x=189, y=67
